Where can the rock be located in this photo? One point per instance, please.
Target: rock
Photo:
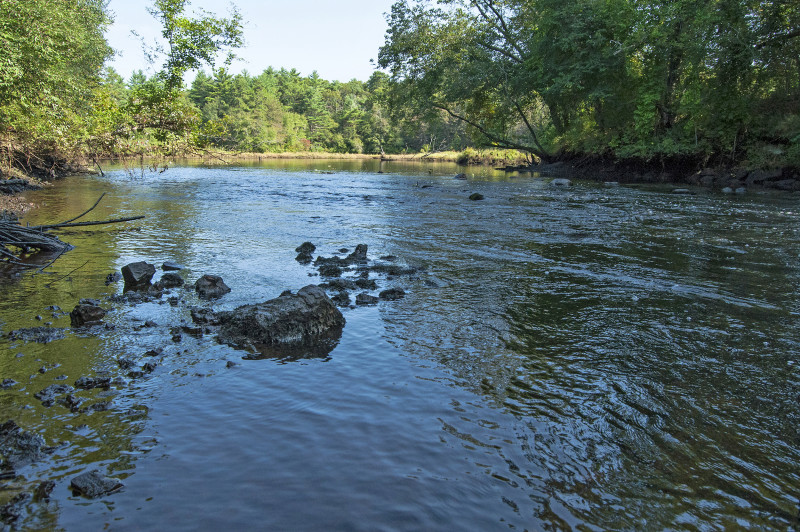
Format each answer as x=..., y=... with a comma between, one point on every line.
x=339, y=285
x=392, y=294
x=113, y=277
x=138, y=275
x=366, y=284
x=758, y=177
x=230, y=364
x=48, y=395
x=18, y=447
x=7, y=383
x=331, y=261
x=42, y=335
x=461, y=176
x=149, y=367
x=341, y=299
x=305, y=319
x=170, y=266
x=683, y=191
x=304, y=258
x=388, y=258
x=126, y=363
x=707, y=181
x=86, y=315
x=211, y=286
x=329, y=270
x=561, y=182
x=344, y=250
x=13, y=510
x=741, y=190
x=88, y=383
x=727, y=190
x=785, y=184
x=71, y=402
x=306, y=247
x=204, y=316
x=43, y=490
x=169, y=280
x=93, y=484
x=359, y=255
x=365, y=299
x=152, y=353
x=475, y=197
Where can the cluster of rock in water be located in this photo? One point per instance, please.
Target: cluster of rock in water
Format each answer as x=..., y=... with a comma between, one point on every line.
x=307, y=323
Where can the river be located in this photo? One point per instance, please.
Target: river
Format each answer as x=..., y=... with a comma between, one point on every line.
x=591, y=358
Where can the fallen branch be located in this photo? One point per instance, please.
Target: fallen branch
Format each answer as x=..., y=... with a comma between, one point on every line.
x=36, y=238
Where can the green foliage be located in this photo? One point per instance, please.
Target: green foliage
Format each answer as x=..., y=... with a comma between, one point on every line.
x=645, y=79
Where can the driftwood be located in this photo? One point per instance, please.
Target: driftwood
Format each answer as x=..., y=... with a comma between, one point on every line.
x=18, y=242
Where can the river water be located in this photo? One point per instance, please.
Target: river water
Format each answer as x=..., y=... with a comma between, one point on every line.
x=592, y=358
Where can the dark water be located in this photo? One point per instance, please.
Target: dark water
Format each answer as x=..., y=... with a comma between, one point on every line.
x=594, y=358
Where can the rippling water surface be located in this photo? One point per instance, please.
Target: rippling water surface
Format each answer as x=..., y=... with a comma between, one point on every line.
x=592, y=358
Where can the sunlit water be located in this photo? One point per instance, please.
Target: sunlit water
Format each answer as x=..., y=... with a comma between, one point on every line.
x=591, y=358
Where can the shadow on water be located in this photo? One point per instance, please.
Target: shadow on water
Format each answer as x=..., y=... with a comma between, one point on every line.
x=605, y=358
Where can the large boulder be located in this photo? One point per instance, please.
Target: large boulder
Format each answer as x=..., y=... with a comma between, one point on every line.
x=137, y=275
x=306, y=320
x=211, y=286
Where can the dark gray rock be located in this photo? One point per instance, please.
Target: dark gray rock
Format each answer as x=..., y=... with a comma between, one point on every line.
x=461, y=176
x=204, y=316
x=392, y=294
x=306, y=247
x=42, y=335
x=358, y=255
x=84, y=314
x=475, y=197
x=392, y=269
x=366, y=284
x=307, y=318
x=170, y=266
x=18, y=447
x=169, y=280
x=339, y=285
x=138, y=275
x=113, y=277
x=126, y=363
x=88, y=383
x=43, y=490
x=13, y=510
x=304, y=258
x=341, y=299
x=330, y=270
x=211, y=287
x=93, y=484
x=758, y=177
x=366, y=299
x=49, y=395
x=7, y=383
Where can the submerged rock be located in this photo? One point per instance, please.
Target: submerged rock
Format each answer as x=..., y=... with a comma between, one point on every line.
x=305, y=319
x=211, y=286
x=42, y=335
x=93, y=484
x=359, y=255
x=392, y=294
x=86, y=314
x=170, y=266
x=476, y=197
x=138, y=275
x=13, y=510
x=113, y=277
x=561, y=182
x=461, y=176
x=366, y=299
x=306, y=247
x=169, y=280
x=48, y=395
x=18, y=447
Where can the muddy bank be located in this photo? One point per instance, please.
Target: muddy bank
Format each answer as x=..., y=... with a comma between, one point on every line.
x=676, y=171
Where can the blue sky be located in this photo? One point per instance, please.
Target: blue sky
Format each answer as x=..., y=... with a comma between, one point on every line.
x=337, y=38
